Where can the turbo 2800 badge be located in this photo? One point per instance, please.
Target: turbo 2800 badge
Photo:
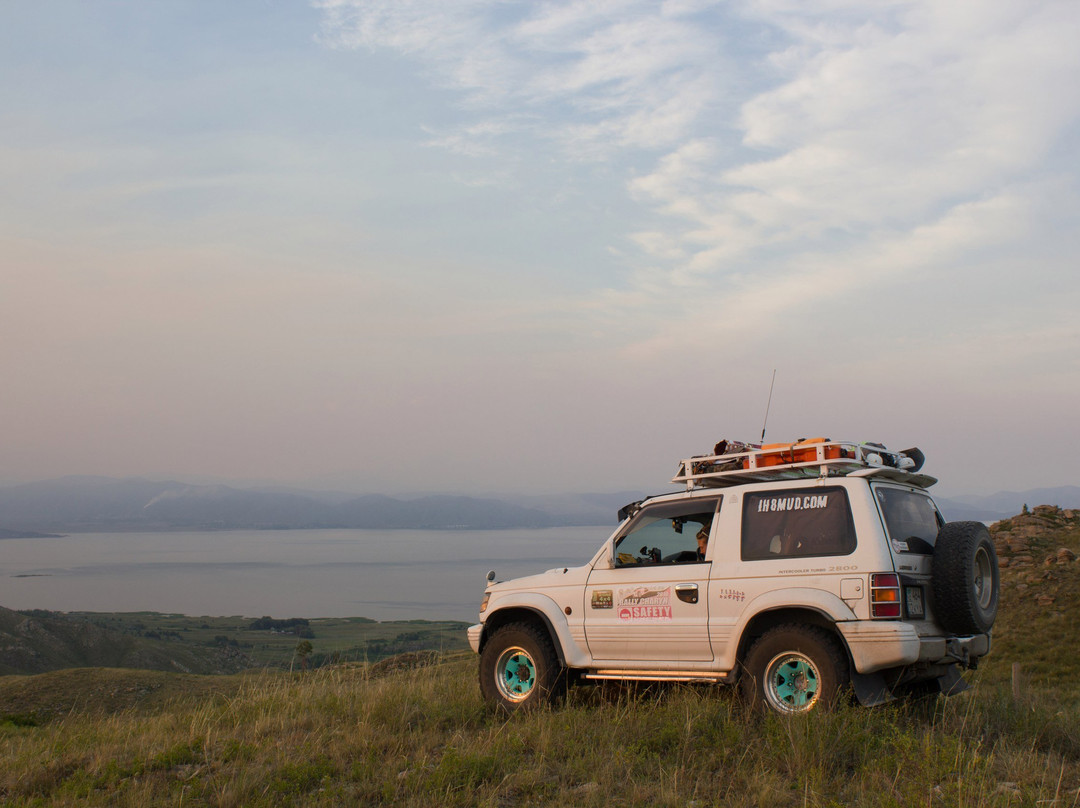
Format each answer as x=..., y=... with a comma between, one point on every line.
x=645, y=603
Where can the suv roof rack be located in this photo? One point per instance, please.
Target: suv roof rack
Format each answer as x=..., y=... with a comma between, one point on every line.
x=806, y=459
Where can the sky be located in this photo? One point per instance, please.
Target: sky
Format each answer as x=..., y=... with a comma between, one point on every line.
x=498, y=247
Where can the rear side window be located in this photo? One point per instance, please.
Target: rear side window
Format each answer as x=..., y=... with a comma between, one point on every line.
x=796, y=523
x=911, y=519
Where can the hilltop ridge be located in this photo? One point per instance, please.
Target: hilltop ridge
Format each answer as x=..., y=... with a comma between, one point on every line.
x=1040, y=587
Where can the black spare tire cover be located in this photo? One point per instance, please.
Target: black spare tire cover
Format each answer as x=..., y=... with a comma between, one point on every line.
x=964, y=578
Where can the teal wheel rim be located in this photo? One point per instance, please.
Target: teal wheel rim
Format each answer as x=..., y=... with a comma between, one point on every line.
x=792, y=683
x=515, y=674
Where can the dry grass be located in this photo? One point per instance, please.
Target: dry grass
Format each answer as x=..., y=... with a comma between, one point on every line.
x=423, y=737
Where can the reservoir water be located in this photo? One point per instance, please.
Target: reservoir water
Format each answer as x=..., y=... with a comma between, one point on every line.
x=381, y=574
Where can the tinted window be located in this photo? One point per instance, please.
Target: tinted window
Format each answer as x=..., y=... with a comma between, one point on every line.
x=911, y=519
x=794, y=523
x=665, y=534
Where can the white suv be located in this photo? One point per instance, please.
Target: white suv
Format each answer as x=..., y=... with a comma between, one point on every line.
x=824, y=564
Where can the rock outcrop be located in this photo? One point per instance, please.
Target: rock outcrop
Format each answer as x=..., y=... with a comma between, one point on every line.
x=1037, y=555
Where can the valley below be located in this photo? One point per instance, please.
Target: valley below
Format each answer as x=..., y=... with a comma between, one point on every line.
x=350, y=724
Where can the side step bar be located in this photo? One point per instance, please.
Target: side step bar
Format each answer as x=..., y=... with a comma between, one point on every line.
x=708, y=677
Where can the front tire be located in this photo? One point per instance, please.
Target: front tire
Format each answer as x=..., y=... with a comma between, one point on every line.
x=794, y=669
x=519, y=668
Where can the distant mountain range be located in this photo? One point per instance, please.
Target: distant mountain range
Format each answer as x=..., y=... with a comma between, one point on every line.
x=102, y=504
x=1004, y=504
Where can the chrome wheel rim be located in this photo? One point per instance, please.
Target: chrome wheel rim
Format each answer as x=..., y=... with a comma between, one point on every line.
x=984, y=578
x=792, y=683
x=515, y=674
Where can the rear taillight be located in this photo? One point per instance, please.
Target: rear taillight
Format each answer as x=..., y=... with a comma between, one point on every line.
x=885, y=595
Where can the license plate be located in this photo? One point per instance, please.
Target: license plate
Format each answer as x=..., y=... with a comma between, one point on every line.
x=913, y=600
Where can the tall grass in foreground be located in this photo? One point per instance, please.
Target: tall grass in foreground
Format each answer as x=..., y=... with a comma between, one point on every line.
x=424, y=738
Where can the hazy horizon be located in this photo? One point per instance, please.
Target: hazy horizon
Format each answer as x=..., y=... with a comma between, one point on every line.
x=511, y=248
x=944, y=489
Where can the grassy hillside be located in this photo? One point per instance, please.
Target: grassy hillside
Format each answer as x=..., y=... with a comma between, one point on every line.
x=333, y=639
x=39, y=641
x=1040, y=592
x=344, y=735
x=36, y=642
x=421, y=736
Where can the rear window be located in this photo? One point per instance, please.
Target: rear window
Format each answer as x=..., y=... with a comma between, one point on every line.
x=911, y=519
x=797, y=522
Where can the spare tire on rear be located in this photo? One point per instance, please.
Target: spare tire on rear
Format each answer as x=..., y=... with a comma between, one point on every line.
x=964, y=578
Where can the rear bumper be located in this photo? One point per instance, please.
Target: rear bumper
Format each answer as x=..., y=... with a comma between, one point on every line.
x=474, y=632
x=879, y=645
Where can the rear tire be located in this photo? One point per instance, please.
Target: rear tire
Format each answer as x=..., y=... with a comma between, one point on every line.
x=519, y=669
x=794, y=669
x=964, y=578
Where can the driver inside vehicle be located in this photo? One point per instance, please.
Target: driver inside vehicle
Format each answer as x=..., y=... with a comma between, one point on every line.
x=703, y=540
x=679, y=536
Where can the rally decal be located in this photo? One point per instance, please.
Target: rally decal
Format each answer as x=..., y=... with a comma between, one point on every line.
x=807, y=503
x=602, y=599
x=644, y=603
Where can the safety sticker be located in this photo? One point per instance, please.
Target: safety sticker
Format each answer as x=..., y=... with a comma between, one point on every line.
x=645, y=603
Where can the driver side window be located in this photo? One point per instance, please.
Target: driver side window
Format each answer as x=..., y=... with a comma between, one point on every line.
x=667, y=534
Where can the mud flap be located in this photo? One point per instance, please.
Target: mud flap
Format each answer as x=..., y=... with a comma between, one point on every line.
x=952, y=682
x=870, y=688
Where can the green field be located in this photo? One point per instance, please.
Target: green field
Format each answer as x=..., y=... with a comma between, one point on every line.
x=337, y=639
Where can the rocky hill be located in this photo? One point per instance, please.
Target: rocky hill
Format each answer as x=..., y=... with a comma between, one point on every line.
x=1035, y=551
x=1040, y=589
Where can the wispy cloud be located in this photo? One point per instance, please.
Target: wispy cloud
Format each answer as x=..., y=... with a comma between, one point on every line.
x=589, y=77
x=839, y=128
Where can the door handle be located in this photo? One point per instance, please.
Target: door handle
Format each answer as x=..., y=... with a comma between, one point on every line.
x=687, y=593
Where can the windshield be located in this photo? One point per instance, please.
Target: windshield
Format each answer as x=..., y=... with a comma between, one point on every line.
x=911, y=519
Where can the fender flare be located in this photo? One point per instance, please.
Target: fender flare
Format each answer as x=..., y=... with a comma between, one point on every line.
x=570, y=653
x=829, y=606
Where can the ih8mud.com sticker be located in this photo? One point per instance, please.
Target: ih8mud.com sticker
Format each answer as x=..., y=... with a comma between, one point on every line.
x=643, y=603
x=805, y=503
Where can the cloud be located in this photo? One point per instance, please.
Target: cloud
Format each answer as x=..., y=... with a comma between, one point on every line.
x=588, y=77
x=892, y=144
x=867, y=116
x=888, y=184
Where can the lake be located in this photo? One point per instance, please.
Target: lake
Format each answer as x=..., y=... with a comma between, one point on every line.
x=381, y=574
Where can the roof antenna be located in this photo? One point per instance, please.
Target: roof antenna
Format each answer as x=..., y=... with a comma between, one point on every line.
x=769, y=404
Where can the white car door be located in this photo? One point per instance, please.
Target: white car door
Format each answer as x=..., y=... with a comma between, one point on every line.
x=649, y=601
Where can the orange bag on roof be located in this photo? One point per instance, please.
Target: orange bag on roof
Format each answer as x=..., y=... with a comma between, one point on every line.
x=802, y=451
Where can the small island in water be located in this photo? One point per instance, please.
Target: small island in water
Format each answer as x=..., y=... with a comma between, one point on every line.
x=27, y=534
